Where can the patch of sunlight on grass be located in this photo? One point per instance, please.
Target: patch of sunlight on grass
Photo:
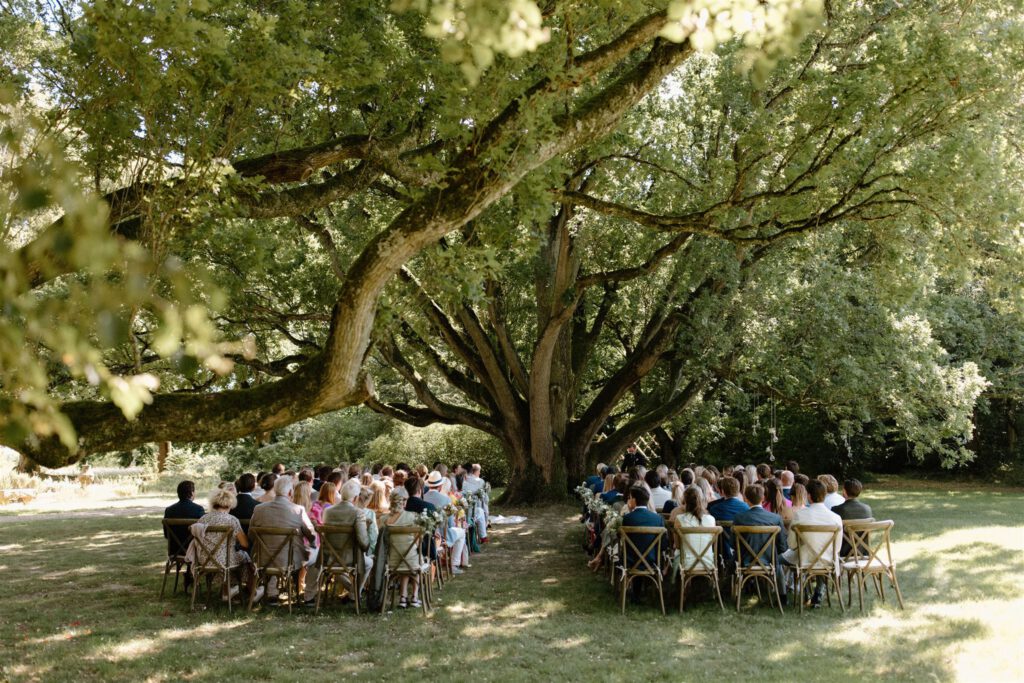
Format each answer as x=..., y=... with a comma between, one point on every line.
x=142, y=646
x=570, y=643
x=415, y=662
x=79, y=571
x=996, y=657
x=10, y=546
x=550, y=581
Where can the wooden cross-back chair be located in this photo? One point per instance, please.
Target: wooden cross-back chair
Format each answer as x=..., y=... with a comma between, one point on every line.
x=702, y=544
x=273, y=555
x=870, y=556
x=405, y=540
x=177, y=547
x=339, y=558
x=207, y=562
x=635, y=564
x=816, y=560
x=762, y=562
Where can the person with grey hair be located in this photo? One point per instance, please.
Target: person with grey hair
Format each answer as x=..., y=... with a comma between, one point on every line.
x=345, y=513
x=399, y=516
x=283, y=513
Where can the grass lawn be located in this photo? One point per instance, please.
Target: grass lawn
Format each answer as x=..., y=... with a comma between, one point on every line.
x=79, y=604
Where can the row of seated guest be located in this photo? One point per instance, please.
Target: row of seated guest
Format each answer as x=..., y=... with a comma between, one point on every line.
x=694, y=503
x=344, y=496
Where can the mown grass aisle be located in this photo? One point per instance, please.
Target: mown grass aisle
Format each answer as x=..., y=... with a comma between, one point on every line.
x=79, y=603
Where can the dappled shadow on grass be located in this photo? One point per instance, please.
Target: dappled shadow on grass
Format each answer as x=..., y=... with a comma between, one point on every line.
x=82, y=605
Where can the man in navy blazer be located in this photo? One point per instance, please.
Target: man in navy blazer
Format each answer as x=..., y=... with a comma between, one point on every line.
x=185, y=508
x=640, y=515
x=725, y=509
x=758, y=516
x=245, y=485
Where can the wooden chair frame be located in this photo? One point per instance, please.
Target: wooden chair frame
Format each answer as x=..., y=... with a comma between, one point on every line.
x=175, y=557
x=403, y=567
x=265, y=552
x=811, y=563
x=206, y=562
x=764, y=562
x=337, y=561
x=640, y=567
x=697, y=568
x=867, y=542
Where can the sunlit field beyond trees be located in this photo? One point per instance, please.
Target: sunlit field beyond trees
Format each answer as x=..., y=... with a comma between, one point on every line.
x=80, y=604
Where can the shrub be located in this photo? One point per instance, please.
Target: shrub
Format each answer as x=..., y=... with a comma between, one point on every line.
x=449, y=444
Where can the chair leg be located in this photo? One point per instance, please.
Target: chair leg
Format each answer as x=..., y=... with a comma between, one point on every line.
x=839, y=593
x=623, y=586
x=860, y=589
x=682, y=591
x=774, y=585
x=195, y=591
x=227, y=583
x=167, y=570
x=798, y=587
x=738, y=583
x=896, y=586
x=661, y=595
x=718, y=590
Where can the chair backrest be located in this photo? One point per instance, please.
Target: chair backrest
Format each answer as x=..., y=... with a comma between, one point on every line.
x=405, y=539
x=868, y=541
x=210, y=546
x=178, y=538
x=337, y=546
x=700, y=543
x=817, y=545
x=272, y=546
x=632, y=558
x=762, y=559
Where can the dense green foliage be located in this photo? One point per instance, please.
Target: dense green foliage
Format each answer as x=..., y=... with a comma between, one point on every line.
x=539, y=221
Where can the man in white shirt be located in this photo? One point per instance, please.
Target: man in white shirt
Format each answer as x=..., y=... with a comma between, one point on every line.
x=659, y=494
x=832, y=495
x=474, y=484
x=818, y=514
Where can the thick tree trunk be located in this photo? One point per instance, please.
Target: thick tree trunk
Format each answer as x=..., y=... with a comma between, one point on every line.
x=161, y=455
x=529, y=482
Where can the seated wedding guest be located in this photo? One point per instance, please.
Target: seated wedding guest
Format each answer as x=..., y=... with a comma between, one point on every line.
x=832, y=496
x=817, y=513
x=267, y=486
x=416, y=505
x=786, y=477
x=387, y=473
x=399, y=516
x=609, y=484
x=798, y=496
x=278, y=469
x=775, y=502
x=327, y=497
x=375, y=471
x=727, y=470
x=659, y=494
x=398, y=480
x=179, y=537
x=306, y=474
x=402, y=467
x=693, y=513
x=676, y=501
x=422, y=472
x=245, y=501
x=705, y=487
x=687, y=477
x=794, y=467
x=751, y=475
x=362, y=502
x=282, y=512
x=764, y=473
x=365, y=479
x=221, y=503
x=758, y=516
x=355, y=471
x=346, y=513
x=454, y=535
x=379, y=500
x=709, y=476
x=302, y=495
x=726, y=509
x=852, y=508
x=320, y=477
x=801, y=479
x=662, y=470
x=618, y=493
x=640, y=515
x=595, y=481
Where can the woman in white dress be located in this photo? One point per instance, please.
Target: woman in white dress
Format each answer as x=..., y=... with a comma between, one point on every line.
x=694, y=514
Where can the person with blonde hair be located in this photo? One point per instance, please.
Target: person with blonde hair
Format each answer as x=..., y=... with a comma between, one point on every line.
x=798, y=496
x=222, y=500
x=399, y=516
x=379, y=500
x=832, y=495
x=362, y=502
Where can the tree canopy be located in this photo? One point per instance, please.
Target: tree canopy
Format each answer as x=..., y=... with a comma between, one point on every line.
x=561, y=224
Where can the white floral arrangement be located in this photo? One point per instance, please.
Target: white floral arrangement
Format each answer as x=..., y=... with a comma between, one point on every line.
x=429, y=520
